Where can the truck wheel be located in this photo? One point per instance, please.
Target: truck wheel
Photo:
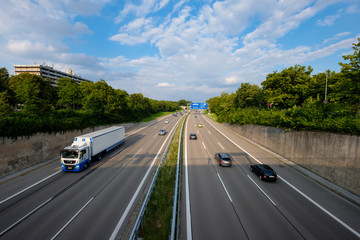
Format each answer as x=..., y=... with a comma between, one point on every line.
x=86, y=165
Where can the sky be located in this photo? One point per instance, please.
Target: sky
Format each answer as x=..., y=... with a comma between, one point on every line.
x=178, y=49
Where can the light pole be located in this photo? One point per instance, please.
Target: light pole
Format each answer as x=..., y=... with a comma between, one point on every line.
x=326, y=74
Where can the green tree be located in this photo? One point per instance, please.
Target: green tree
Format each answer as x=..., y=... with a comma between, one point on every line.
x=95, y=96
x=249, y=95
x=289, y=87
x=118, y=103
x=183, y=102
x=349, y=88
x=4, y=79
x=33, y=92
x=5, y=106
x=139, y=105
x=68, y=93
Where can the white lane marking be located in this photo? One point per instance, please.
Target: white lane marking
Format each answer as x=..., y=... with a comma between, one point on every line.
x=117, y=152
x=322, y=208
x=203, y=144
x=62, y=229
x=221, y=146
x=24, y=217
x=127, y=210
x=7, y=199
x=187, y=194
x=227, y=193
x=262, y=191
x=301, y=193
x=136, y=153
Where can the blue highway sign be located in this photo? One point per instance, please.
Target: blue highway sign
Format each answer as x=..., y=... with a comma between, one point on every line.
x=199, y=106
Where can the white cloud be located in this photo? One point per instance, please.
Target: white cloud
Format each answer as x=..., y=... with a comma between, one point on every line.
x=144, y=8
x=198, y=51
x=165, y=85
x=328, y=21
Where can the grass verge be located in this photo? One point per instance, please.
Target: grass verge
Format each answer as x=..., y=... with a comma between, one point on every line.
x=158, y=214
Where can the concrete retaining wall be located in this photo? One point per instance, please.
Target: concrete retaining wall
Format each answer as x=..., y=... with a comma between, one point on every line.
x=334, y=157
x=24, y=152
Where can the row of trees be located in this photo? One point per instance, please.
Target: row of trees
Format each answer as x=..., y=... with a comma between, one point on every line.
x=294, y=98
x=30, y=99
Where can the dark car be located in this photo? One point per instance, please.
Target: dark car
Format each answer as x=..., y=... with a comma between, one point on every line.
x=224, y=159
x=265, y=172
x=193, y=136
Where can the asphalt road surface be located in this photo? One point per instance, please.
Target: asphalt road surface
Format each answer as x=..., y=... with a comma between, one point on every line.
x=97, y=203
x=233, y=203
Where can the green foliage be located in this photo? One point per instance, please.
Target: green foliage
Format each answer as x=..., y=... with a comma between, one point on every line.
x=33, y=92
x=44, y=106
x=249, y=96
x=349, y=88
x=289, y=87
x=5, y=106
x=4, y=79
x=158, y=214
x=69, y=94
x=296, y=100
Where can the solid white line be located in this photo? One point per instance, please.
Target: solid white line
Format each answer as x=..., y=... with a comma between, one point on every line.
x=224, y=187
x=62, y=229
x=7, y=199
x=127, y=210
x=187, y=193
x=322, y=208
x=301, y=193
x=21, y=219
x=262, y=190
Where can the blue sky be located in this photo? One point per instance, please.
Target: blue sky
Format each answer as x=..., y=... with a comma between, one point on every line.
x=172, y=50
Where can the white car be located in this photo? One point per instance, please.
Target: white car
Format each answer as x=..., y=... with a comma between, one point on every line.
x=167, y=121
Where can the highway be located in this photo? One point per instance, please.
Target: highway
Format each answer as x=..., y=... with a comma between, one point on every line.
x=233, y=203
x=216, y=202
x=97, y=203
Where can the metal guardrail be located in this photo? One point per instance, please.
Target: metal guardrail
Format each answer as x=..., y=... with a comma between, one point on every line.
x=138, y=222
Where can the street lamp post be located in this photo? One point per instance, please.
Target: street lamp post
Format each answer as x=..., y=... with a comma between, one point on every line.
x=326, y=74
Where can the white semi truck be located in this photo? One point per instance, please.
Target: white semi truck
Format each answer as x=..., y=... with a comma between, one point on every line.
x=91, y=146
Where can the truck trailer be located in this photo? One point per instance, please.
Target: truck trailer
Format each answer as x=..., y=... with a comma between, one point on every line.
x=89, y=147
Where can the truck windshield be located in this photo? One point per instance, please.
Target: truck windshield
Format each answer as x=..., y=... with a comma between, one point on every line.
x=69, y=154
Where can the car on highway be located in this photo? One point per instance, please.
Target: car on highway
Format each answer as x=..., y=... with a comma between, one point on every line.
x=167, y=121
x=162, y=132
x=193, y=136
x=200, y=125
x=224, y=159
x=265, y=172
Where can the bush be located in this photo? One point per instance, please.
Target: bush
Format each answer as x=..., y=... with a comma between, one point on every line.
x=312, y=116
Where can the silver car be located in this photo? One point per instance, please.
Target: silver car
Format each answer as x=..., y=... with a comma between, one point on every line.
x=224, y=159
x=162, y=132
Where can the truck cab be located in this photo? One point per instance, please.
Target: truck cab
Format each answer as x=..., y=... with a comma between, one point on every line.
x=75, y=158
